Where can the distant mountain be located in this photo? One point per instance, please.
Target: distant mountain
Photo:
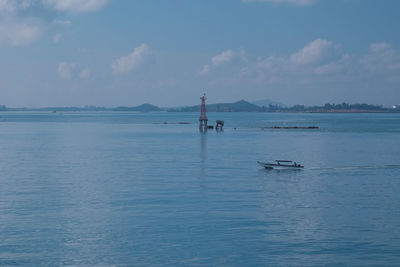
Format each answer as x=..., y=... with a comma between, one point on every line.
x=240, y=106
x=141, y=108
x=267, y=102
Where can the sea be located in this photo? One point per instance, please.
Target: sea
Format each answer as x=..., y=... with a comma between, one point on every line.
x=150, y=189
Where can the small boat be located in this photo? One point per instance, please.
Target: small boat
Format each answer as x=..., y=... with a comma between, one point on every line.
x=281, y=165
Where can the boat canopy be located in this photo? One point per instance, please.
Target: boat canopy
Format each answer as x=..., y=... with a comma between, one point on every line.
x=283, y=160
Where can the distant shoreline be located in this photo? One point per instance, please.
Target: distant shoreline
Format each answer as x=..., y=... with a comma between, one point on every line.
x=341, y=111
x=59, y=110
x=240, y=106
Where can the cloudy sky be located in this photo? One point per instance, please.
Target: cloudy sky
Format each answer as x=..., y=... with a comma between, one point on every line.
x=168, y=52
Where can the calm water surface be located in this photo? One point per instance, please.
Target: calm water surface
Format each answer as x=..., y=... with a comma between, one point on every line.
x=109, y=188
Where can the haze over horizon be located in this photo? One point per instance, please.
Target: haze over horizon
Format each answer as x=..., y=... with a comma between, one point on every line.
x=168, y=53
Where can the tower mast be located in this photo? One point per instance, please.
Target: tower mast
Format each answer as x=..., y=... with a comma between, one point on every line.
x=203, y=117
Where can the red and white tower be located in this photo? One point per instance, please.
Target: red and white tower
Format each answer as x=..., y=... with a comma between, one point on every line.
x=203, y=117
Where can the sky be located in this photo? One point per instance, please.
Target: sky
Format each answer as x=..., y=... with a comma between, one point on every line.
x=169, y=52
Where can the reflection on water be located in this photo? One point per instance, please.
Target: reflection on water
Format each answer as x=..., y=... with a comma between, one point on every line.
x=203, y=147
x=203, y=153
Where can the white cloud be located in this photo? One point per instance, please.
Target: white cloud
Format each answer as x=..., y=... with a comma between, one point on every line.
x=19, y=26
x=18, y=34
x=205, y=70
x=381, y=58
x=319, y=57
x=62, y=22
x=271, y=69
x=14, y=31
x=75, y=5
x=314, y=52
x=24, y=4
x=131, y=61
x=335, y=66
x=66, y=70
x=85, y=73
x=224, y=57
x=57, y=38
x=12, y=6
x=292, y=2
x=378, y=47
x=7, y=6
x=323, y=62
x=69, y=70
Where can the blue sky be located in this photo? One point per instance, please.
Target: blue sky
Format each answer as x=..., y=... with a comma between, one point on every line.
x=128, y=52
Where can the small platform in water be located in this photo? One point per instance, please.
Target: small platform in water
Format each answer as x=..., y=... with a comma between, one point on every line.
x=281, y=165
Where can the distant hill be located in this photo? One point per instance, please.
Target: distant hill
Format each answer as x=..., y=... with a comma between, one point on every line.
x=141, y=108
x=240, y=106
x=267, y=102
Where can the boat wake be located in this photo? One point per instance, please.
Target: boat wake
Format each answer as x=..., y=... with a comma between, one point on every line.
x=356, y=167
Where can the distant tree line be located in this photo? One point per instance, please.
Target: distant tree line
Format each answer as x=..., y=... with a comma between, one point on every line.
x=240, y=106
x=343, y=107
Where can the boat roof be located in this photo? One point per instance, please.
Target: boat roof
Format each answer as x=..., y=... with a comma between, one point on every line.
x=278, y=160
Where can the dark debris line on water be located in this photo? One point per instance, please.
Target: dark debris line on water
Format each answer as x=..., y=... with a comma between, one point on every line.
x=291, y=127
x=165, y=122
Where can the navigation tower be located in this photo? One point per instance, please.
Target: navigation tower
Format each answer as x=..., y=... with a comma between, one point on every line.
x=203, y=117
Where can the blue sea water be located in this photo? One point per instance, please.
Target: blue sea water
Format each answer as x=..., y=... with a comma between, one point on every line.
x=141, y=189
